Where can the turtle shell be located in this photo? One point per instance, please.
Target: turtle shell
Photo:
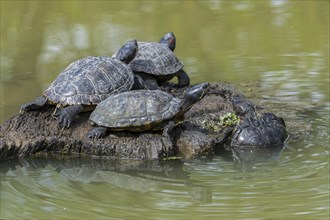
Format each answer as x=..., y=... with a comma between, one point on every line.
x=89, y=81
x=137, y=110
x=267, y=131
x=156, y=59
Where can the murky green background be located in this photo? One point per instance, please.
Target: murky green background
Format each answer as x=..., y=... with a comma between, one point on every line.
x=276, y=51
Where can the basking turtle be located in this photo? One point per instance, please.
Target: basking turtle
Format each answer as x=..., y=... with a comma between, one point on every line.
x=87, y=82
x=143, y=110
x=156, y=62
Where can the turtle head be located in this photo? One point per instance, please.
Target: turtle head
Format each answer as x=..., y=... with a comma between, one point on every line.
x=127, y=52
x=168, y=40
x=193, y=95
x=243, y=107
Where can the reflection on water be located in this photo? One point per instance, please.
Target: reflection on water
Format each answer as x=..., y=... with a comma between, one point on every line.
x=78, y=179
x=71, y=187
x=276, y=52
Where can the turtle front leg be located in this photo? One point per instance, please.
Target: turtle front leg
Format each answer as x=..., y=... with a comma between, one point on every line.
x=183, y=79
x=34, y=105
x=168, y=129
x=65, y=116
x=97, y=132
x=167, y=134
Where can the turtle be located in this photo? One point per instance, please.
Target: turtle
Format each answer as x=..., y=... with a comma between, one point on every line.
x=258, y=138
x=143, y=110
x=86, y=82
x=156, y=63
x=255, y=129
x=265, y=130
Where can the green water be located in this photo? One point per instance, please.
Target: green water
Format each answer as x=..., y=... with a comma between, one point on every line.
x=277, y=52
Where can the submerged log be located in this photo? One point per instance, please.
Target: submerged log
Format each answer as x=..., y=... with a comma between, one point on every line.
x=38, y=133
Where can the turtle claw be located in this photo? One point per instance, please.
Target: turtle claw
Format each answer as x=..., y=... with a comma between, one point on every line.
x=24, y=107
x=22, y=110
x=66, y=123
x=63, y=118
x=96, y=133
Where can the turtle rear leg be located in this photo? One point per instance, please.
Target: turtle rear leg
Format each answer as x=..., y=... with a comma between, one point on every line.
x=144, y=81
x=97, y=132
x=36, y=104
x=183, y=79
x=65, y=116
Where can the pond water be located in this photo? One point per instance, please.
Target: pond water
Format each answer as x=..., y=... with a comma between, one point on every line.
x=276, y=52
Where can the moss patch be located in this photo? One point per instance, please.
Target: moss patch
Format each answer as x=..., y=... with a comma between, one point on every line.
x=218, y=124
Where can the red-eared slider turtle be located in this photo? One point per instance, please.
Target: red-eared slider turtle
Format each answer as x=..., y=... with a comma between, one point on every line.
x=143, y=110
x=258, y=138
x=155, y=61
x=259, y=130
x=87, y=82
x=266, y=130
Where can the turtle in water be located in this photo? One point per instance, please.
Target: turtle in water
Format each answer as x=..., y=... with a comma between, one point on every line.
x=258, y=139
x=87, y=82
x=143, y=110
x=264, y=130
x=156, y=63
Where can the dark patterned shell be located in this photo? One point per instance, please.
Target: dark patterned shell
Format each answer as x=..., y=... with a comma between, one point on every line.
x=137, y=110
x=267, y=130
x=89, y=81
x=156, y=59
